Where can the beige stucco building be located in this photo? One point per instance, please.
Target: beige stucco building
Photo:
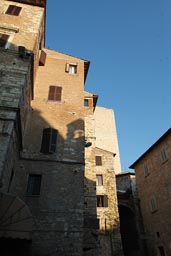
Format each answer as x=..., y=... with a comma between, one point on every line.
x=56, y=199
x=153, y=176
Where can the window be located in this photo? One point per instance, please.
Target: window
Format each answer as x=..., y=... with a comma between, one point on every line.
x=55, y=93
x=71, y=68
x=146, y=170
x=13, y=10
x=98, y=160
x=42, y=58
x=161, y=251
x=163, y=154
x=99, y=180
x=33, y=186
x=85, y=102
x=153, y=204
x=102, y=201
x=49, y=140
x=3, y=40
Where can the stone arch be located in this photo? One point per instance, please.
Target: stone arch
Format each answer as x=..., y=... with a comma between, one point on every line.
x=128, y=230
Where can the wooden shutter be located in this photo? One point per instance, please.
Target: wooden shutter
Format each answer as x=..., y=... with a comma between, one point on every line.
x=55, y=93
x=49, y=140
x=3, y=39
x=67, y=67
x=45, y=141
x=105, y=201
x=42, y=58
x=98, y=160
x=13, y=10
x=53, y=140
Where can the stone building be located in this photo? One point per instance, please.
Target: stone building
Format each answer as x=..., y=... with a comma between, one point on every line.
x=153, y=175
x=50, y=203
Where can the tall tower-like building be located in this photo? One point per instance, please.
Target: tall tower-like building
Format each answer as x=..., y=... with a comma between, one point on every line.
x=49, y=201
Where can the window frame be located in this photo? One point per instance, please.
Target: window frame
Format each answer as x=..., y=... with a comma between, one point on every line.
x=71, y=68
x=146, y=170
x=6, y=40
x=102, y=201
x=49, y=141
x=153, y=204
x=164, y=155
x=55, y=93
x=98, y=160
x=99, y=180
x=34, y=184
x=13, y=10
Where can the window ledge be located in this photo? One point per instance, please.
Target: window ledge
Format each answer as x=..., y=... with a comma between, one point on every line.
x=164, y=161
x=9, y=28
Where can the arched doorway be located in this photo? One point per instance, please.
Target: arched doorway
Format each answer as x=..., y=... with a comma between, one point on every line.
x=128, y=231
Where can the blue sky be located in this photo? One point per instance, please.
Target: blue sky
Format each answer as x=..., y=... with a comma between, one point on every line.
x=128, y=43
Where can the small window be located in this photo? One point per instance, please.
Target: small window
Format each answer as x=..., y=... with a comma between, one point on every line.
x=71, y=68
x=99, y=180
x=34, y=183
x=3, y=40
x=163, y=154
x=102, y=201
x=13, y=10
x=98, y=160
x=42, y=58
x=49, y=141
x=55, y=93
x=85, y=102
x=146, y=170
x=161, y=251
x=153, y=204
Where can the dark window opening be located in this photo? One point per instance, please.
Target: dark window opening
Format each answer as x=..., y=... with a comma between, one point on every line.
x=49, y=141
x=102, y=201
x=86, y=103
x=34, y=183
x=10, y=181
x=98, y=160
x=161, y=251
x=3, y=40
x=13, y=10
x=55, y=93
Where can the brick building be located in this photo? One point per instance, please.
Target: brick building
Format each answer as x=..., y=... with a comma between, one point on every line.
x=49, y=202
x=153, y=176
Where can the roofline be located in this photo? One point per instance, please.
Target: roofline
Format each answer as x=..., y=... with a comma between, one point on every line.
x=148, y=150
x=125, y=173
x=114, y=154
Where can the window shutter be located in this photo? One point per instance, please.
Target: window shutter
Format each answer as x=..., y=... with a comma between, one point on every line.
x=55, y=93
x=49, y=140
x=67, y=67
x=105, y=201
x=53, y=140
x=45, y=141
x=3, y=39
x=98, y=160
x=42, y=58
x=51, y=92
x=10, y=9
x=90, y=102
x=13, y=10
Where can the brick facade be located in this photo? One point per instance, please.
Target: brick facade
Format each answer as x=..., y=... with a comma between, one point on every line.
x=153, y=182
x=48, y=147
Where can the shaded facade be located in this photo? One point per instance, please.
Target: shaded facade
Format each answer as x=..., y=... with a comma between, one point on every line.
x=153, y=183
x=48, y=146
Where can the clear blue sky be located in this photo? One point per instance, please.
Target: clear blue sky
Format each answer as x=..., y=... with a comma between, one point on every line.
x=128, y=43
